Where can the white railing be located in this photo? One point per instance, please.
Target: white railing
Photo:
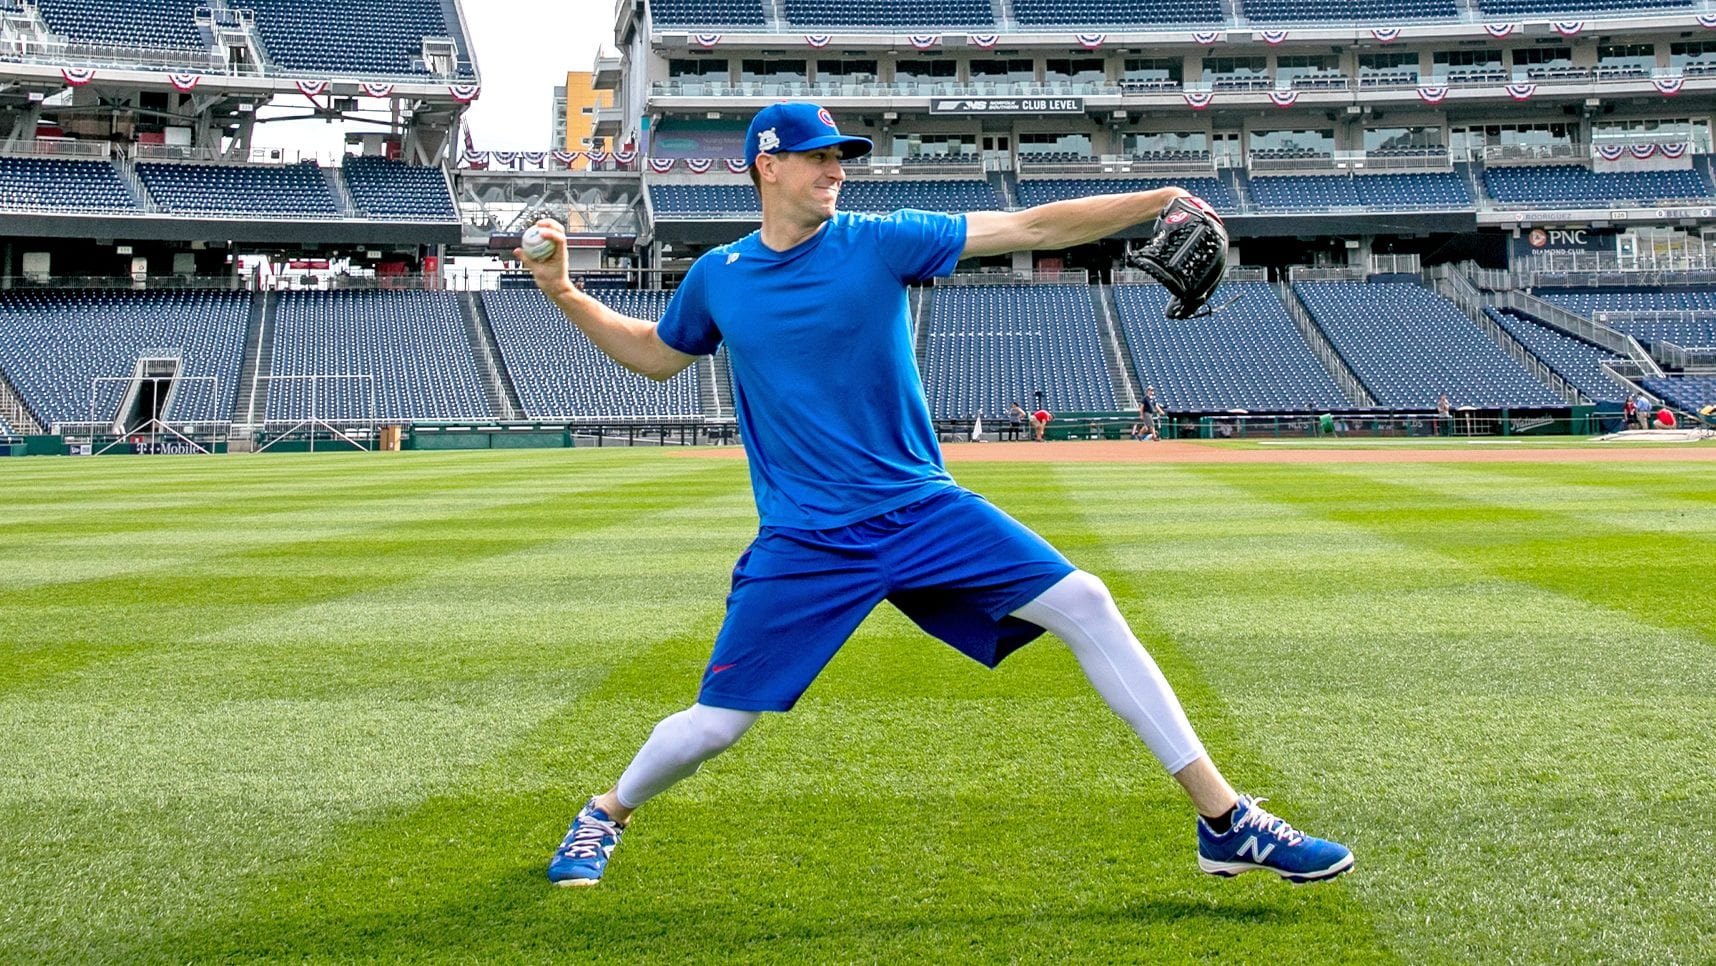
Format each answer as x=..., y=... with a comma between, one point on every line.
x=1002, y=276
x=54, y=148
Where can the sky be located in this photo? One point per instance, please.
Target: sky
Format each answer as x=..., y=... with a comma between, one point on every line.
x=524, y=49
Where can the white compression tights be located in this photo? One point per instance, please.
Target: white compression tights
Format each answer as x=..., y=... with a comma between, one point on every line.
x=1080, y=611
x=678, y=746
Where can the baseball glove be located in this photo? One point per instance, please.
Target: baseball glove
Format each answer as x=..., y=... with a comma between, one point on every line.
x=1188, y=255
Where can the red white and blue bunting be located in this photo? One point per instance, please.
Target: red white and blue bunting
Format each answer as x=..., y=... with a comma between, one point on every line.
x=1668, y=86
x=1385, y=35
x=662, y=165
x=1611, y=152
x=1198, y=100
x=1273, y=37
x=597, y=157
x=1284, y=98
x=1090, y=41
x=476, y=159
x=699, y=165
x=508, y=158
x=985, y=41
x=534, y=157
x=924, y=41
x=624, y=155
x=565, y=158
x=373, y=89
x=818, y=41
x=1521, y=92
x=1568, y=28
x=1207, y=37
x=1432, y=93
x=77, y=76
x=184, y=83
x=1707, y=21
x=705, y=40
x=313, y=89
x=1500, y=30
x=465, y=93
x=737, y=165
x=1674, y=152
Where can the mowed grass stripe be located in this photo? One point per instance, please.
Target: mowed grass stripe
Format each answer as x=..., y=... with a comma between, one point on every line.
x=243, y=752
x=1514, y=753
x=58, y=628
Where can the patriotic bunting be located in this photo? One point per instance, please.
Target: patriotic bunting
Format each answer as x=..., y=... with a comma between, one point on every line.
x=1668, y=86
x=699, y=165
x=985, y=41
x=661, y=165
x=312, y=89
x=1568, y=28
x=1273, y=37
x=465, y=93
x=705, y=40
x=924, y=41
x=1207, y=37
x=376, y=89
x=1500, y=30
x=508, y=158
x=624, y=156
x=1198, y=100
x=1642, y=151
x=477, y=159
x=1284, y=98
x=565, y=158
x=1432, y=93
x=1521, y=92
x=738, y=165
x=535, y=157
x=185, y=83
x=77, y=76
x=1611, y=152
x=1090, y=41
x=1386, y=35
x=818, y=40
x=1673, y=152
x=1707, y=21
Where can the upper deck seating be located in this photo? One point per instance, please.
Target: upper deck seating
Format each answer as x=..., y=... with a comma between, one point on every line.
x=146, y=24
x=54, y=185
x=889, y=13
x=393, y=189
x=1566, y=184
x=371, y=38
x=1089, y=14
x=1038, y=191
x=293, y=190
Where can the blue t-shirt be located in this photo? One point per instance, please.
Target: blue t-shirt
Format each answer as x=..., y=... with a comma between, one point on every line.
x=825, y=383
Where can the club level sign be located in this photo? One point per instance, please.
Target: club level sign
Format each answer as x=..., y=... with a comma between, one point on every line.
x=1006, y=105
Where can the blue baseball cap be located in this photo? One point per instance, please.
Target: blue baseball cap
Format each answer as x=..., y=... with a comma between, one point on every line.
x=798, y=126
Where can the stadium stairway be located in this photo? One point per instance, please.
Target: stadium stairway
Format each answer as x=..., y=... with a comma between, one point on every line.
x=720, y=384
x=336, y=178
x=13, y=410
x=1115, y=354
x=498, y=389
x=1356, y=391
x=1580, y=327
x=1457, y=288
x=258, y=357
x=920, y=296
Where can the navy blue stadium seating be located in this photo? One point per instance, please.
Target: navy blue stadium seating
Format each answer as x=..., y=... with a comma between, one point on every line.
x=889, y=13
x=706, y=13
x=54, y=345
x=393, y=189
x=1551, y=7
x=1274, y=12
x=1038, y=191
x=1247, y=356
x=299, y=190
x=1573, y=359
x=412, y=343
x=370, y=38
x=1573, y=184
x=1438, y=190
x=1408, y=345
x=51, y=184
x=1686, y=393
x=990, y=345
x=560, y=374
x=879, y=195
x=1090, y=14
x=125, y=23
x=670, y=200
x=6, y=430
x=1683, y=316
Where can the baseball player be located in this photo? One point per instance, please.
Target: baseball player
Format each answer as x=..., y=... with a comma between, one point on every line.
x=855, y=507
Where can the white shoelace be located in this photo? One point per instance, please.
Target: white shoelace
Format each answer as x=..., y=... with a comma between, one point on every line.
x=1256, y=817
x=587, y=837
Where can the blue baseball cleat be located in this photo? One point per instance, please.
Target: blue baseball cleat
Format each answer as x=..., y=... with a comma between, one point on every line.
x=583, y=853
x=1259, y=840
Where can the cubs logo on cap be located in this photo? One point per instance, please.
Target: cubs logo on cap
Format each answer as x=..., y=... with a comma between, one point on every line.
x=798, y=126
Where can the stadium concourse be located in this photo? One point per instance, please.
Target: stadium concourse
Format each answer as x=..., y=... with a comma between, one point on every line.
x=1507, y=205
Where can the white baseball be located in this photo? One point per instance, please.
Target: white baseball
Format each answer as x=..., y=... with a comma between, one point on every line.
x=536, y=245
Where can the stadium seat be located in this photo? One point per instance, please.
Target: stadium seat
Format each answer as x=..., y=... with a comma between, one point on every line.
x=374, y=38
x=293, y=190
x=393, y=189
x=1573, y=359
x=53, y=184
x=989, y=345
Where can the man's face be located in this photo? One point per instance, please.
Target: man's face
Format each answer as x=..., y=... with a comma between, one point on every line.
x=808, y=181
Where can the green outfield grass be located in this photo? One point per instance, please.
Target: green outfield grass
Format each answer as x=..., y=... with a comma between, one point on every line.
x=342, y=708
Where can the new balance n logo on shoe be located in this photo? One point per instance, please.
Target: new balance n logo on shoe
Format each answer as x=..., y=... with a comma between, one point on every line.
x=1250, y=845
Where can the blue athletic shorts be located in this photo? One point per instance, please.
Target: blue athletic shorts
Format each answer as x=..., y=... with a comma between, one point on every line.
x=953, y=563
